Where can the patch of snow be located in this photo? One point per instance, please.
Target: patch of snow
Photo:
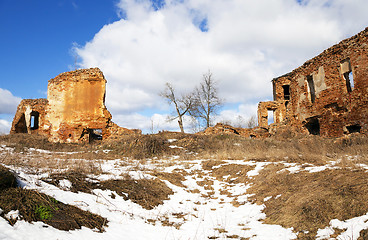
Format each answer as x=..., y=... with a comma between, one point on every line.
x=65, y=184
x=171, y=140
x=294, y=169
x=13, y=214
x=257, y=169
x=351, y=227
x=267, y=198
x=316, y=169
x=174, y=146
x=362, y=165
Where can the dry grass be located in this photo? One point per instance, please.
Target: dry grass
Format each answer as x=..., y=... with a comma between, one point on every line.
x=34, y=206
x=51, y=162
x=148, y=193
x=55, y=213
x=175, y=178
x=311, y=149
x=7, y=179
x=309, y=201
x=22, y=141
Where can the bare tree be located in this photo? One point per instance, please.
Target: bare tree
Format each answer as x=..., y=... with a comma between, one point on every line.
x=207, y=101
x=252, y=122
x=182, y=104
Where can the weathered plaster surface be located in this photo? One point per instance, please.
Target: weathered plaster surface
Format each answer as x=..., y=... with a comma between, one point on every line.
x=74, y=110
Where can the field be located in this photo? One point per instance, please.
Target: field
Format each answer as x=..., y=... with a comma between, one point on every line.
x=183, y=186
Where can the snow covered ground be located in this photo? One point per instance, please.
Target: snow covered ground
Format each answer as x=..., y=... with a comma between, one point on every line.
x=192, y=212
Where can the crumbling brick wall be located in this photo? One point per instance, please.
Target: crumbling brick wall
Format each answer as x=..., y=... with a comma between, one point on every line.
x=30, y=116
x=74, y=110
x=327, y=95
x=77, y=105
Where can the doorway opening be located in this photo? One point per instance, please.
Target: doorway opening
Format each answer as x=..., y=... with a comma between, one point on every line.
x=20, y=126
x=95, y=135
x=313, y=126
x=354, y=128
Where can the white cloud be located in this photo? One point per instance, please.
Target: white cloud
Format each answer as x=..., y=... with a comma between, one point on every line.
x=8, y=102
x=152, y=124
x=238, y=116
x=4, y=127
x=247, y=43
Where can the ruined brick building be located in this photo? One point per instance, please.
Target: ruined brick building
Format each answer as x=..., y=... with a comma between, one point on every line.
x=327, y=95
x=74, y=110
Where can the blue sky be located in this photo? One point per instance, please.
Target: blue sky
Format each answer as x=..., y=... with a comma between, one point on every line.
x=38, y=37
x=140, y=45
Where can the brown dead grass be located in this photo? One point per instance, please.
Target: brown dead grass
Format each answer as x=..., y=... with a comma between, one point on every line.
x=235, y=173
x=21, y=141
x=143, y=146
x=145, y=192
x=309, y=201
x=53, y=213
x=175, y=178
x=51, y=162
x=63, y=216
x=311, y=149
x=209, y=164
x=7, y=179
x=148, y=193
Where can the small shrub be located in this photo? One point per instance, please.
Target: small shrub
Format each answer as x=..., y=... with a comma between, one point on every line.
x=44, y=212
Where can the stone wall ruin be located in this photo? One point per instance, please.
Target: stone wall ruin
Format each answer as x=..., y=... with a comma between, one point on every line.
x=327, y=95
x=74, y=110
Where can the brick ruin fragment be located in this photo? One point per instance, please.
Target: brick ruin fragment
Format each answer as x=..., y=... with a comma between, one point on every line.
x=74, y=110
x=221, y=128
x=327, y=95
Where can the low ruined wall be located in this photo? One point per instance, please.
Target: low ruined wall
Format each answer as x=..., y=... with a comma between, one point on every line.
x=31, y=117
x=221, y=128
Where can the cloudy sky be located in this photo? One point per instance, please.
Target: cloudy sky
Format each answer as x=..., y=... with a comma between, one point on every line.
x=142, y=44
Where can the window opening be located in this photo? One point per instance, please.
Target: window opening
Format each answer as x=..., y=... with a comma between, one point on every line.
x=286, y=92
x=354, y=128
x=311, y=88
x=34, y=120
x=270, y=116
x=347, y=74
x=313, y=126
